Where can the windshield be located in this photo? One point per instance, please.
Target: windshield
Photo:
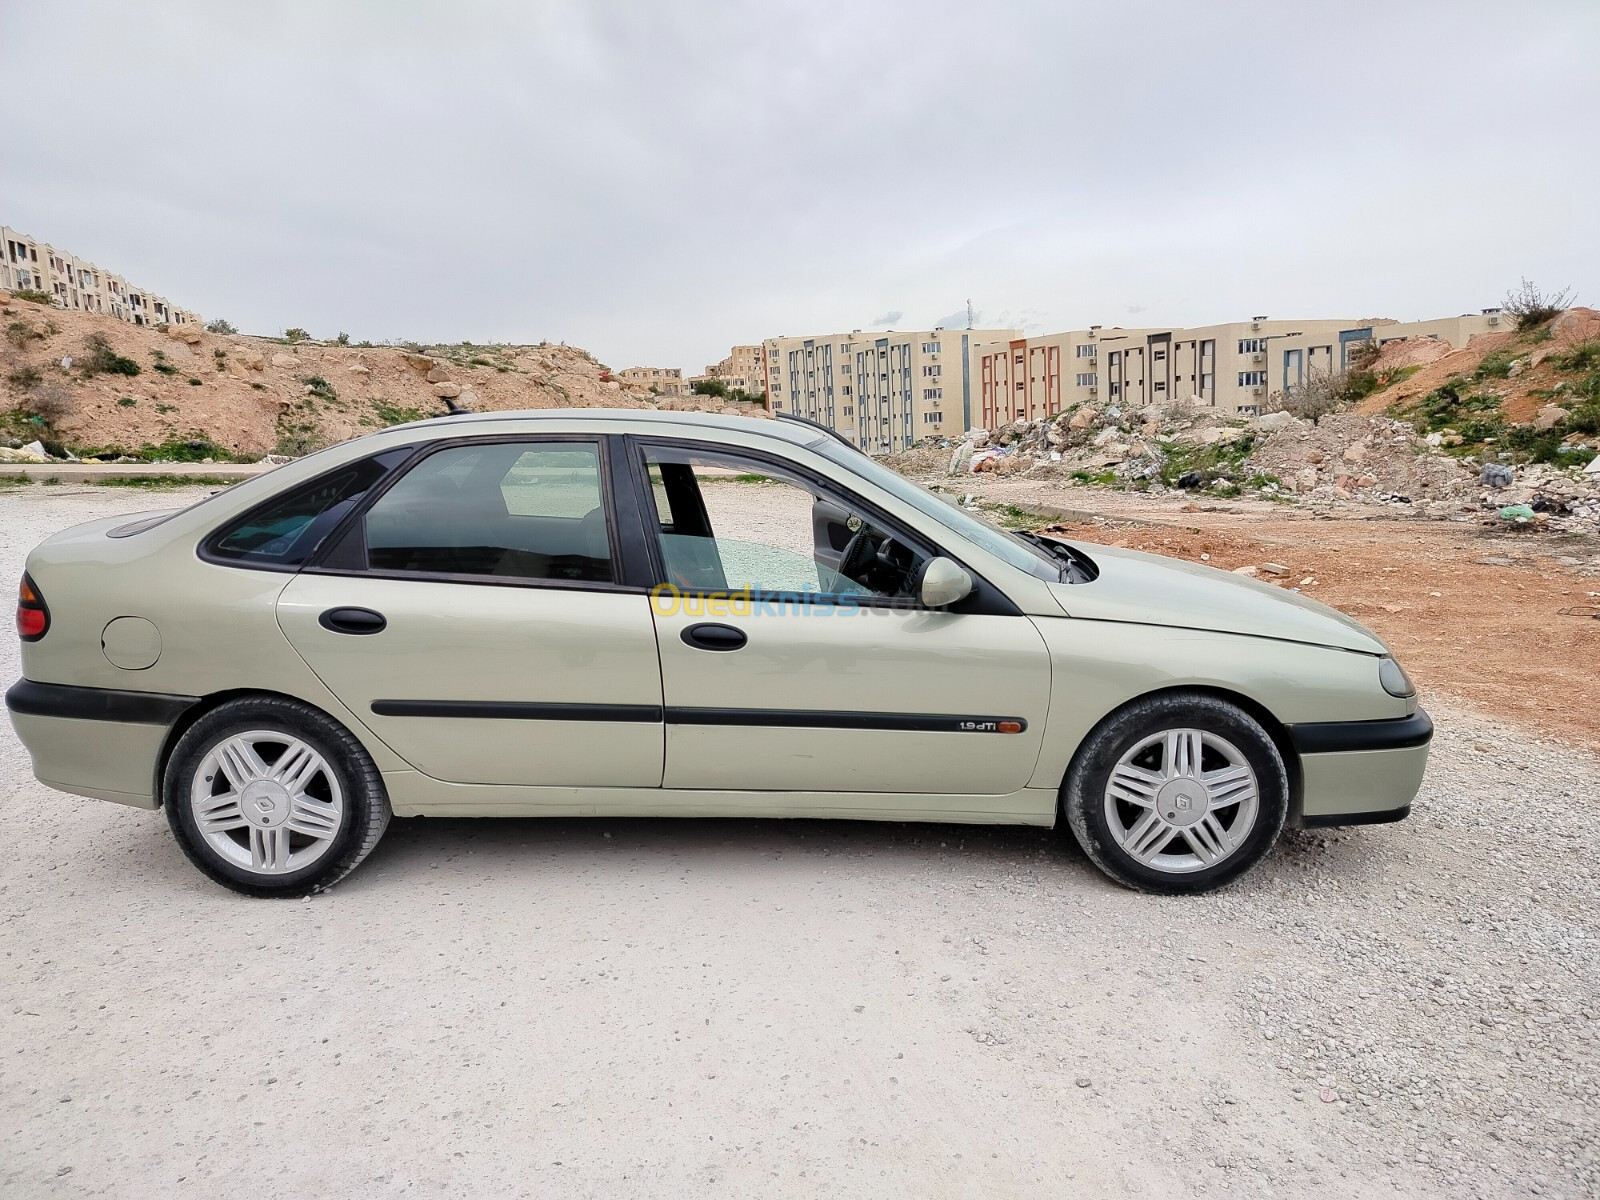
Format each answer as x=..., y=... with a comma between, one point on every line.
x=1035, y=560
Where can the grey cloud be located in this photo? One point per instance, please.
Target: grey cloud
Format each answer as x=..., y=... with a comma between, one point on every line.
x=889, y=319
x=655, y=182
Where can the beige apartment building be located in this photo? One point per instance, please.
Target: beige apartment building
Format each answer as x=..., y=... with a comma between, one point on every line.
x=26, y=262
x=882, y=391
x=745, y=370
x=667, y=381
x=1234, y=366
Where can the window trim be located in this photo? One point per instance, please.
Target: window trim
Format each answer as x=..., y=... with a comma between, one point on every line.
x=985, y=598
x=621, y=564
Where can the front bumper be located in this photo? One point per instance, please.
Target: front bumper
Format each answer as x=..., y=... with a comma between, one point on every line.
x=98, y=742
x=1361, y=772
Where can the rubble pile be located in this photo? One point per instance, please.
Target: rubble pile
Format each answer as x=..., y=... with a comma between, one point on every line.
x=1345, y=458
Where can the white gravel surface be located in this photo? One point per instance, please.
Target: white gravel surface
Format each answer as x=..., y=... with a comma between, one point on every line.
x=738, y=1008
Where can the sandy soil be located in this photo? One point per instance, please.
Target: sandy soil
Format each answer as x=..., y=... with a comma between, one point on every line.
x=726, y=1008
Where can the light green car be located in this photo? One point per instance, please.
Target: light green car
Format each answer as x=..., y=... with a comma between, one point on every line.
x=626, y=613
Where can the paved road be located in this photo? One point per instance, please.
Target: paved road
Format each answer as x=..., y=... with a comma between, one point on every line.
x=589, y=1008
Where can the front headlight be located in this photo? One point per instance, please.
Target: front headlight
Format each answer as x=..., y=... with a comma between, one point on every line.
x=1394, y=679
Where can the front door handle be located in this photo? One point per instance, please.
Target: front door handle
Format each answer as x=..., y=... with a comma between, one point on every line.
x=353, y=620
x=714, y=637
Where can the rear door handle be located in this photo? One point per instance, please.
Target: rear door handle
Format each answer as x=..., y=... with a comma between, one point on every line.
x=713, y=637
x=353, y=620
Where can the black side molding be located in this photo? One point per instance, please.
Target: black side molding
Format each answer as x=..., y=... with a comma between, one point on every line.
x=805, y=718
x=1333, y=737
x=513, y=710
x=1360, y=818
x=96, y=704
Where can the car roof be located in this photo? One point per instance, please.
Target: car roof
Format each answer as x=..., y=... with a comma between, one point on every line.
x=796, y=433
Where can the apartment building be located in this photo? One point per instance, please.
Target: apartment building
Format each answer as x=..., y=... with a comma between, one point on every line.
x=745, y=368
x=26, y=262
x=882, y=391
x=1233, y=366
x=667, y=381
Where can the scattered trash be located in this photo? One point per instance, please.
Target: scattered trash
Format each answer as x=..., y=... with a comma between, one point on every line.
x=1496, y=475
x=1519, y=514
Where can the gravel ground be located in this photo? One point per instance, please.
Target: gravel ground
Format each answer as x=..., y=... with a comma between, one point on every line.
x=622, y=1008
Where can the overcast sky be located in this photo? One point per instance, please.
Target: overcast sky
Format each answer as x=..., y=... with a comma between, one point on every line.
x=656, y=180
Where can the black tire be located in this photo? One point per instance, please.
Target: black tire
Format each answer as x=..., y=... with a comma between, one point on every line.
x=1083, y=796
x=365, y=809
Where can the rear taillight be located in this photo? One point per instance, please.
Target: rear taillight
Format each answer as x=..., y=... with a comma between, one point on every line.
x=33, y=618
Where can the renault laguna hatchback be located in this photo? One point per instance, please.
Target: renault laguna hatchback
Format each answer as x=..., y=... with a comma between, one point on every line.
x=635, y=613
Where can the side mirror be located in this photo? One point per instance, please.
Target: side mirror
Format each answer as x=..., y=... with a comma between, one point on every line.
x=943, y=584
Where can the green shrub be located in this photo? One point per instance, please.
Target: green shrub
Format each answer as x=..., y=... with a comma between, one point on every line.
x=126, y=402
x=295, y=335
x=162, y=366
x=34, y=296
x=1495, y=365
x=20, y=333
x=100, y=359
x=221, y=326
x=1530, y=306
x=320, y=387
x=193, y=382
x=25, y=378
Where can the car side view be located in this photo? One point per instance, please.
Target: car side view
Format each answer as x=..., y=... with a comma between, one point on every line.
x=639, y=613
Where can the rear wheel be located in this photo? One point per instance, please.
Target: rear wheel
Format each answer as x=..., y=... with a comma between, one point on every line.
x=270, y=797
x=1177, y=793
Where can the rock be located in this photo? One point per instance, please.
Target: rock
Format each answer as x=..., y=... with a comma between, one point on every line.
x=1366, y=481
x=1355, y=454
x=1306, y=479
x=422, y=364
x=1271, y=422
x=439, y=374
x=1315, y=456
x=1083, y=418
x=285, y=361
x=1105, y=437
x=447, y=391
x=359, y=369
x=1190, y=479
x=188, y=334
x=1249, y=572
x=1515, y=368
x=1549, y=416
x=248, y=357
x=1495, y=475
x=468, y=398
x=1272, y=568
x=1208, y=435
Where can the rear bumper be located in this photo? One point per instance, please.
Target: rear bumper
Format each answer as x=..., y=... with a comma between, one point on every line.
x=98, y=742
x=1361, y=772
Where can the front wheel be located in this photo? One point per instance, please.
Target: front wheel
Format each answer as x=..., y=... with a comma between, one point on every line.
x=1177, y=793
x=270, y=797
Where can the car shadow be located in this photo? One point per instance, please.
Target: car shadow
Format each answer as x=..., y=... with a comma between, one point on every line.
x=416, y=845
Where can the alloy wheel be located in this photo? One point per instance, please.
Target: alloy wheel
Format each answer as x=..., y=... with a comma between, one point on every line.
x=1181, y=800
x=267, y=801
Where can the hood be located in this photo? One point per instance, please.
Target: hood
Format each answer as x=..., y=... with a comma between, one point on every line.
x=1146, y=589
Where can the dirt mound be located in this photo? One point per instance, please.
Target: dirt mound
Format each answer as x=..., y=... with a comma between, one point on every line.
x=1408, y=352
x=1347, y=454
x=93, y=383
x=1523, y=353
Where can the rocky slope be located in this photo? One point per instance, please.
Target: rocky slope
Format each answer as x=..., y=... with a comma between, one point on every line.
x=96, y=385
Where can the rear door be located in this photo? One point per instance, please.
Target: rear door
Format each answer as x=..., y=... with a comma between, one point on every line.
x=476, y=619
x=795, y=658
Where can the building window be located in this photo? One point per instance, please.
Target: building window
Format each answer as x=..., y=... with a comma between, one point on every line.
x=1116, y=358
x=932, y=418
x=1086, y=378
x=1116, y=389
x=933, y=393
x=930, y=370
x=1159, y=356
x=1252, y=378
x=1158, y=387
x=1207, y=347
x=1252, y=345
x=930, y=347
x=1206, y=381
x=1087, y=351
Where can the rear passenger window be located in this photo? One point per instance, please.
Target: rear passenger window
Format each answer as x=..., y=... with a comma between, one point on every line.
x=285, y=532
x=518, y=510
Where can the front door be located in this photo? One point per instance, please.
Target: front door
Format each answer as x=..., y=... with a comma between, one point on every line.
x=794, y=657
x=473, y=620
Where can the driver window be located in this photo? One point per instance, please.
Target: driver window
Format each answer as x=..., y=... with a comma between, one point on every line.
x=727, y=523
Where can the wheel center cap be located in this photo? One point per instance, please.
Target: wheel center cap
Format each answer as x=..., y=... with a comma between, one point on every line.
x=265, y=804
x=1182, y=802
